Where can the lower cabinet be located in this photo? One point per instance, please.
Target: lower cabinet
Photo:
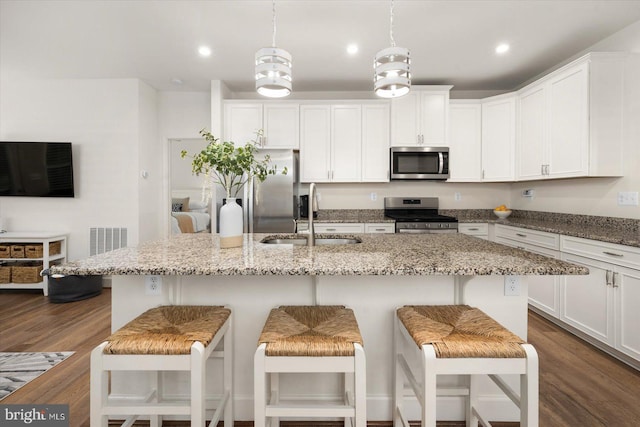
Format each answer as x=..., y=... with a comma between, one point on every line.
x=480, y=230
x=626, y=286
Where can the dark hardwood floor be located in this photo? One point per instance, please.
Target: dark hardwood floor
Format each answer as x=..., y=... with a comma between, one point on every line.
x=580, y=386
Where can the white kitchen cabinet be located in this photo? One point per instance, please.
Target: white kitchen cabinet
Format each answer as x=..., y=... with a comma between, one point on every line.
x=339, y=228
x=280, y=123
x=544, y=291
x=480, y=230
x=375, y=142
x=570, y=122
x=626, y=285
x=346, y=143
x=498, y=138
x=421, y=117
x=465, y=141
x=382, y=227
x=315, y=143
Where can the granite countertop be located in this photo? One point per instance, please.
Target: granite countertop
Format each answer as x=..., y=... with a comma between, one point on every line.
x=621, y=231
x=378, y=254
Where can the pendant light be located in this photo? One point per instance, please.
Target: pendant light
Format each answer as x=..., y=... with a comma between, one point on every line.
x=392, y=77
x=273, y=68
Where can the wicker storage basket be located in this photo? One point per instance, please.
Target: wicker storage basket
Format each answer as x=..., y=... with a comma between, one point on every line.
x=36, y=251
x=5, y=251
x=26, y=273
x=17, y=251
x=5, y=274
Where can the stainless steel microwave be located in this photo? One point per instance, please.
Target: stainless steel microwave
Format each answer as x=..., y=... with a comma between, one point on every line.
x=428, y=163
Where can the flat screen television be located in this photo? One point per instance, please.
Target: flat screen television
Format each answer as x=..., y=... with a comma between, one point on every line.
x=36, y=169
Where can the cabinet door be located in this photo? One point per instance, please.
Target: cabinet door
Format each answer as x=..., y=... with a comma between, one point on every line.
x=375, y=143
x=315, y=141
x=346, y=143
x=531, y=141
x=339, y=228
x=568, y=123
x=282, y=126
x=405, y=120
x=587, y=300
x=498, y=139
x=544, y=291
x=465, y=144
x=434, y=123
x=627, y=300
x=241, y=122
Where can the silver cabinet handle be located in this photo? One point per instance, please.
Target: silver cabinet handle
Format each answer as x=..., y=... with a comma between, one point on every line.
x=521, y=235
x=381, y=229
x=473, y=229
x=328, y=174
x=613, y=254
x=330, y=229
x=608, y=277
x=541, y=169
x=615, y=282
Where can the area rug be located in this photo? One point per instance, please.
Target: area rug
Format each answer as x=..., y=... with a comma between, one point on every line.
x=17, y=369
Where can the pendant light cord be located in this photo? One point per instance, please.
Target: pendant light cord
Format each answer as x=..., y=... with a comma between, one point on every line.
x=273, y=40
x=393, y=42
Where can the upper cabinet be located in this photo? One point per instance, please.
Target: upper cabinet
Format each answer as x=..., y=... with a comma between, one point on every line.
x=421, y=117
x=465, y=117
x=498, y=138
x=280, y=122
x=345, y=142
x=570, y=122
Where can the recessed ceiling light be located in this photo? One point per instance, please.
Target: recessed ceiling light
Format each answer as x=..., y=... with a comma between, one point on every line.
x=204, y=51
x=502, y=48
x=352, y=49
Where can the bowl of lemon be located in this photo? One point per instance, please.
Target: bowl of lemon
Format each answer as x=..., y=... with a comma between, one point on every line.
x=502, y=211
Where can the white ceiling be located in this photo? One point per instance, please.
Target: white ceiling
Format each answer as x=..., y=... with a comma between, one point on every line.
x=451, y=42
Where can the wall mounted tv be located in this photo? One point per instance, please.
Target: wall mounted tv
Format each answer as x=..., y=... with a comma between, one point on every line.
x=36, y=169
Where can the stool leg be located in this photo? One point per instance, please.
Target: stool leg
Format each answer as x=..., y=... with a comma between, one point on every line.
x=529, y=399
x=349, y=393
x=228, y=375
x=99, y=387
x=398, y=393
x=156, y=384
x=274, y=397
x=259, y=388
x=360, y=380
x=429, y=394
x=472, y=420
x=198, y=372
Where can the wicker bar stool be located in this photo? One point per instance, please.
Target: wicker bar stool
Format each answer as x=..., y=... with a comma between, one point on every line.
x=166, y=338
x=460, y=340
x=310, y=339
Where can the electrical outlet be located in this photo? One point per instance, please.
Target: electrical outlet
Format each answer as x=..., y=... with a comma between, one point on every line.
x=457, y=196
x=628, y=198
x=374, y=197
x=529, y=192
x=511, y=286
x=153, y=285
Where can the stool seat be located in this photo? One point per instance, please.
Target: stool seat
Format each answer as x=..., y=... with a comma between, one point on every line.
x=310, y=331
x=457, y=331
x=168, y=330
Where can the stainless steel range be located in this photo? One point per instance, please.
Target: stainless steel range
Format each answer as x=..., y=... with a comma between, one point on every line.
x=418, y=215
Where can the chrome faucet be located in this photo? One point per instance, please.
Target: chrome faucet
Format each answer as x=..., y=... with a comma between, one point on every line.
x=311, y=240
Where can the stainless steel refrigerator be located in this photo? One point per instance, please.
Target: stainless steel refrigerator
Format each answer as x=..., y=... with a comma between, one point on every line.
x=272, y=206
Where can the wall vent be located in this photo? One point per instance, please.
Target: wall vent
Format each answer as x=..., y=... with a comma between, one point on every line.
x=105, y=239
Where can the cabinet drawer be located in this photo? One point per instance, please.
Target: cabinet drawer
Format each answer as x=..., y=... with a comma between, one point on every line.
x=327, y=227
x=529, y=247
x=474, y=229
x=532, y=237
x=610, y=252
x=385, y=227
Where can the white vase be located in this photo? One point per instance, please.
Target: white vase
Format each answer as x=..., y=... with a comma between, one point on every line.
x=231, y=224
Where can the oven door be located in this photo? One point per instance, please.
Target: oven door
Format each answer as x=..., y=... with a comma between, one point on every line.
x=428, y=163
x=425, y=228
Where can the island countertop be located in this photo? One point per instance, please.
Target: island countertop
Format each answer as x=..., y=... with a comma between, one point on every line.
x=378, y=254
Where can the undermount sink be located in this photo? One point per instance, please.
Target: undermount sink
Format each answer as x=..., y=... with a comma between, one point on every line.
x=320, y=241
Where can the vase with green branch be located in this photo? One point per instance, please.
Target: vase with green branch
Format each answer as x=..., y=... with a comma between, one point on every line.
x=232, y=167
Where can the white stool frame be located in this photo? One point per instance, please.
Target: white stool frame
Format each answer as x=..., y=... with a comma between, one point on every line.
x=153, y=405
x=423, y=381
x=353, y=410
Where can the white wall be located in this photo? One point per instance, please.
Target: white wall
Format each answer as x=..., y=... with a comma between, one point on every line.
x=102, y=118
x=598, y=196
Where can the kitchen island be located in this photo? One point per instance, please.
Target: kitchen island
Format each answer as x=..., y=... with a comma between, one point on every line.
x=373, y=277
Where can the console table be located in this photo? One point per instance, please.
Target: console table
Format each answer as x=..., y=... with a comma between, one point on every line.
x=30, y=242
